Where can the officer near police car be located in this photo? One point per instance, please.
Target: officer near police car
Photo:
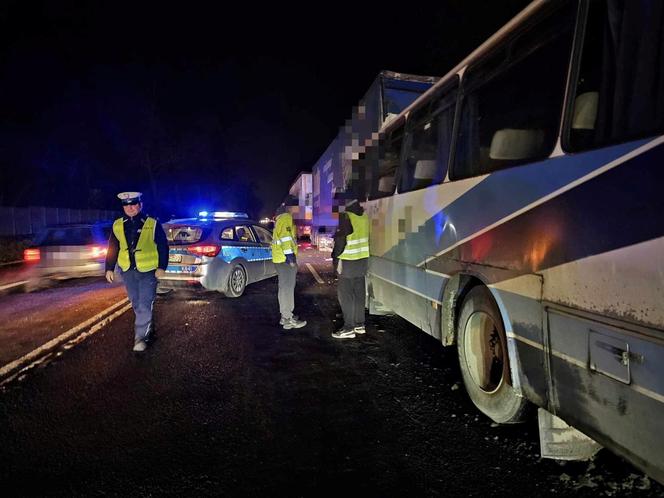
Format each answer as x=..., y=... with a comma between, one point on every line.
x=139, y=247
x=284, y=257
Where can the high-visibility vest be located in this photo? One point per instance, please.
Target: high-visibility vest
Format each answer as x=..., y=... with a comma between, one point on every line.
x=357, y=243
x=283, y=238
x=146, y=254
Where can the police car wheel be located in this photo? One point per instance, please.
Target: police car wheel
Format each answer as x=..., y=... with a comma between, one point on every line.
x=484, y=359
x=237, y=282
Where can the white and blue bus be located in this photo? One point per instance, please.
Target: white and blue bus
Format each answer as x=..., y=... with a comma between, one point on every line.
x=517, y=212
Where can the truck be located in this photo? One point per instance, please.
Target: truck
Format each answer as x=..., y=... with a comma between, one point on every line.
x=389, y=94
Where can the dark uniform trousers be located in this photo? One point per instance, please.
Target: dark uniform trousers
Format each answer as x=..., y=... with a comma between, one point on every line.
x=351, y=291
x=141, y=290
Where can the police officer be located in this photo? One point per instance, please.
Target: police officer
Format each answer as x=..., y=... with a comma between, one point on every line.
x=351, y=257
x=284, y=257
x=138, y=245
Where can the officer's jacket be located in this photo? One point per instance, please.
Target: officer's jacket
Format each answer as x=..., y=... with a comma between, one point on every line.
x=137, y=243
x=357, y=242
x=283, y=238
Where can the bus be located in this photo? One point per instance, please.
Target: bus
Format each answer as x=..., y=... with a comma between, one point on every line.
x=517, y=213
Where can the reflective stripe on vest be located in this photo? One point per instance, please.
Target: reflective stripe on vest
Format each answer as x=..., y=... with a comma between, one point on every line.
x=146, y=254
x=357, y=243
x=282, y=238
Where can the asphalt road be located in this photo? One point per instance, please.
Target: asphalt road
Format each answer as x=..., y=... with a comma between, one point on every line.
x=225, y=403
x=32, y=319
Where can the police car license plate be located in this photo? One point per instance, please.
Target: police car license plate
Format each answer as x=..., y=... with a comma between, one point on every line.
x=181, y=269
x=175, y=258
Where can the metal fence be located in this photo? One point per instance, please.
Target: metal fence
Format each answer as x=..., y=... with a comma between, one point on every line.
x=15, y=221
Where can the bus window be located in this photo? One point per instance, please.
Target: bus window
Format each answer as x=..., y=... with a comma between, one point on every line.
x=428, y=143
x=389, y=157
x=618, y=96
x=419, y=167
x=513, y=98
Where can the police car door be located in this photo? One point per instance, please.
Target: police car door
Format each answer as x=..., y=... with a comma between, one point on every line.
x=265, y=238
x=249, y=250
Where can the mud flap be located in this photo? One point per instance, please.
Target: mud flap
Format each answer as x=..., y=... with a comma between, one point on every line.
x=376, y=308
x=560, y=441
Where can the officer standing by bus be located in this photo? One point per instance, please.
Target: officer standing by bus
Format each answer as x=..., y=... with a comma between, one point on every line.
x=351, y=259
x=138, y=245
x=284, y=257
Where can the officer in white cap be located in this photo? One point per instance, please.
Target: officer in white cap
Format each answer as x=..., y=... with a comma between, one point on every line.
x=138, y=245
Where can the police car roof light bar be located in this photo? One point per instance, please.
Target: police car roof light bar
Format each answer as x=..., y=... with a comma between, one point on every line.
x=229, y=214
x=222, y=214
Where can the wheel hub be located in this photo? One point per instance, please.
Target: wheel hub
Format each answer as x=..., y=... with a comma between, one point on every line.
x=237, y=280
x=485, y=352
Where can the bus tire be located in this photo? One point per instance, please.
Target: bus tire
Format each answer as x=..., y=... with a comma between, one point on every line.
x=484, y=360
x=237, y=282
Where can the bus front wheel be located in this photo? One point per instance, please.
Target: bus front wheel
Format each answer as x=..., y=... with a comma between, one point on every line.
x=484, y=361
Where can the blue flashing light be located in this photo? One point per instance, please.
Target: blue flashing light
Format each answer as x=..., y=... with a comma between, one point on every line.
x=221, y=214
x=229, y=214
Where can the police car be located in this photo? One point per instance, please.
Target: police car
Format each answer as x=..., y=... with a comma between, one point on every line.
x=221, y=251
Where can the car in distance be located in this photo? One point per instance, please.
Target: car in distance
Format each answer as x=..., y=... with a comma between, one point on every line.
x=67, y=251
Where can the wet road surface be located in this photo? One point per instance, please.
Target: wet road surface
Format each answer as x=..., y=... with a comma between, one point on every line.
x=31, y=319
x=226, y=403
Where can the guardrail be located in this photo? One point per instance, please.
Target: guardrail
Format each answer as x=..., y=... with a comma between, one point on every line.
x=25, y=221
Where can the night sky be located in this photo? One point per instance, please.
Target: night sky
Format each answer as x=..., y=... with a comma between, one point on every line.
x=200, y=105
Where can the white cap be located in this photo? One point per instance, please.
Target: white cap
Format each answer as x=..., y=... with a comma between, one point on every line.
x=129, y=197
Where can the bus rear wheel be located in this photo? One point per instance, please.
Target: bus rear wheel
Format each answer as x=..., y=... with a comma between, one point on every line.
x=484, y=360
